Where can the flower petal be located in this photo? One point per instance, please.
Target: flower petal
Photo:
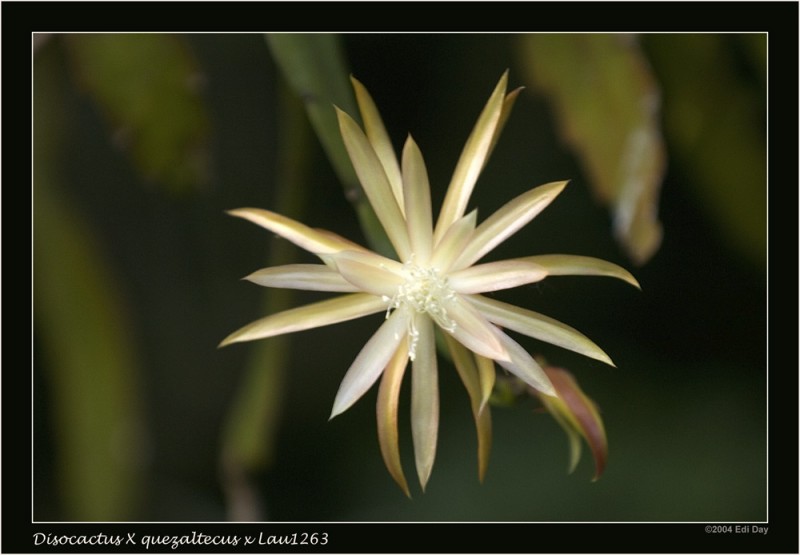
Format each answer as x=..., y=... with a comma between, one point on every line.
x=424, y=399
x=310, y=277
x=508, y=220
x=524, y=367
x=453, y=242
x=538, y=326
x=323, y=313
x=312, y=240
x=577, y=414
x=495, y=276
x=386, y=409
x=486, y=377
x=379, y=139
x=475, y=382
x=472, y=160
x=573, y=265
x=369, y=272
x=375, y=183
x=371, y=361
x=508, y=104
x=417, y=194
x=473, y=331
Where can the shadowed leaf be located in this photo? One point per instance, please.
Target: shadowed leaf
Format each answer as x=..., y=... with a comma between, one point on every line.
x=717, y=130
x=314, y=66
x=147, y=88
x=606, y=103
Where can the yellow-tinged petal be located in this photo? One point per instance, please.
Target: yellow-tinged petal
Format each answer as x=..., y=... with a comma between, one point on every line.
x=577, y=414
x=369, y=272
x=386, y=409
x=508, y=104
x=323, y=313
x=417, y=194
x=379, y=139
x=473, y=331
x=454, y=242
x=309, y=277
x=573, y=265
x=424, y=399
x=508, y=220
x=487, y=376
x=538, y=326
x=371, y=361
x=472, y=160
x=522, y=365
x=475, y=382
x=495, y=276
x=375, y=183
x=312, y=240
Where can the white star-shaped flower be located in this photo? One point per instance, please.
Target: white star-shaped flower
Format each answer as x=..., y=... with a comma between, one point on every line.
x=436, y=281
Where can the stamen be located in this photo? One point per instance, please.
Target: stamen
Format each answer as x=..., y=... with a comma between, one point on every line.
x=424, y=291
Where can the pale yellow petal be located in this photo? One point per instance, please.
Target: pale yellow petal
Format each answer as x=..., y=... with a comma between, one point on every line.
x=495, y=276
x=471, y=375
x=375, y=184
x=371, y=361
x=472, y=160
x=417, y=194
x=454, y=241
x=323, y=313
x=538, y=326
x=369, y=272
x=424, y=400
x=386, y=409
x=508, y=104
x=486, y=377
x=473, y=330
x=573, y=265
x=379, y=139
x=524, y=367
x=309, y=277
x=312, y=240
x=508, y=220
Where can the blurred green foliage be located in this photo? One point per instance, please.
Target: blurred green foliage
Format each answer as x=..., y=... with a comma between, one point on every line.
x=135, y=286
x=607, y=104
x=88, y=353
x=147, y=87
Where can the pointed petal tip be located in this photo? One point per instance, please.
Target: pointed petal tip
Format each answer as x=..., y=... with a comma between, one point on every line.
x=227, y=341
x=238, y=212
x=546, y=389
x=335, y=411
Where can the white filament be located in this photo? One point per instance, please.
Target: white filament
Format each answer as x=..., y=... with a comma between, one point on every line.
x=424, y=292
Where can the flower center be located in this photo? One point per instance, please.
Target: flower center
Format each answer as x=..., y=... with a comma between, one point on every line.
x=424, y=292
